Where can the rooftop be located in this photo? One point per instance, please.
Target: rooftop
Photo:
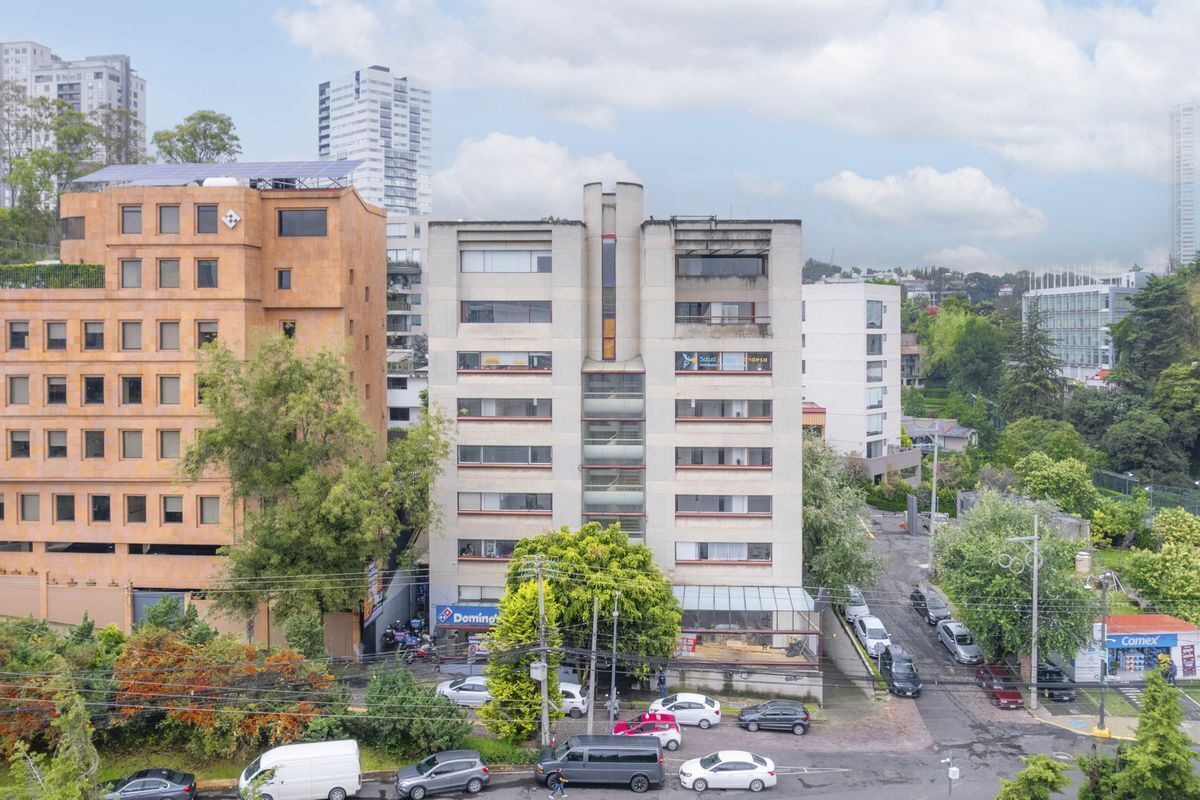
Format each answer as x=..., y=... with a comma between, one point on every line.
x=1148, y=623
x=257, y=174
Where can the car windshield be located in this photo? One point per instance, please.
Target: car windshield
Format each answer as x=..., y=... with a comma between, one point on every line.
x=856, y=598
x=762, y=762
x=426, y=764
x=710, y=760
x=876, y=633
x=964, y=639
x=457, y=682
x=561, y=751
x=178, y=777
x=905, y=668
x=252, y=770
x=934, y=601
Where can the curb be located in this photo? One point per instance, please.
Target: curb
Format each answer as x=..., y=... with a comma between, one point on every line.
x=386, y=776
x=1082, y=729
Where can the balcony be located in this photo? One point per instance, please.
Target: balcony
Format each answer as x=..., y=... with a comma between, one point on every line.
x=399, y=305
x=404, y=267
x=614, y=404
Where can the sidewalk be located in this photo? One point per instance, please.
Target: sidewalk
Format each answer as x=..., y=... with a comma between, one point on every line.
x=1118, y=727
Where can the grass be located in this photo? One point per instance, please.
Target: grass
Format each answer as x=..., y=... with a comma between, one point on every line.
x=1114, y=704
x=495, y=751
x=1111, y=559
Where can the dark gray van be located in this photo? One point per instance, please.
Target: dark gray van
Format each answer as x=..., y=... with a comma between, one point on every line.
x=633, y=761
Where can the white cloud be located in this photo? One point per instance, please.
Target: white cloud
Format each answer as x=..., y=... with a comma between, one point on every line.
x=1043, y=83
x=753, y=183
x=962, y=200
x=509, y=177
x=971, y=259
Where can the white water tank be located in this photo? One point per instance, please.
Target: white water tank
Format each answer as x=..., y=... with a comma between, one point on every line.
x=221, y=181
x=1083, y=562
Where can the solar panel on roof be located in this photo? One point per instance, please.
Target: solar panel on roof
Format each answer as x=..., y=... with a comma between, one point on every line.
x=177, y=174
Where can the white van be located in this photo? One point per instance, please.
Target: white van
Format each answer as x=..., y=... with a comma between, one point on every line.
x=314, y=771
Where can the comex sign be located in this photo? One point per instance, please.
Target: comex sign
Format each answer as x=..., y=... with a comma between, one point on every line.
x=1127, y=640
x=466, y=616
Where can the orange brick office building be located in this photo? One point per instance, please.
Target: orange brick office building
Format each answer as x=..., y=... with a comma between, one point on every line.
x=98, y=374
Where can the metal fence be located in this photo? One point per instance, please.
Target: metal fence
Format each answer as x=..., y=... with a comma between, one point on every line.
x=14, y=252
x=1159, y=495
x=51, y=276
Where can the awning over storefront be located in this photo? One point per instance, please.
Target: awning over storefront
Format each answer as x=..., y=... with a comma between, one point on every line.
x=743, y=598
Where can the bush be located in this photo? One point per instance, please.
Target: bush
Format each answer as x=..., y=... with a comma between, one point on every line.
x=495, y=751
x=404, y=717
x=305, y=632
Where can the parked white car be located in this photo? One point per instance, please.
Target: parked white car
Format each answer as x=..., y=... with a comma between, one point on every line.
x=728, y=769
x=855, y=605
x=574, y=699
x=471, y=691
x=872, y=634
x=689, y=709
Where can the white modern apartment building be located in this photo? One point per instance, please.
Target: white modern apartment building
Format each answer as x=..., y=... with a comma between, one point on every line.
x=385, y=121
x=852, y=366
x=1185, y=183
x=619, y=369
x=406, y=378
x=87, y=84
x=1079, y=318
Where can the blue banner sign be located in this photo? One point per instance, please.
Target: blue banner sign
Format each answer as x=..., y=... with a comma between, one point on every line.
x=1129, y=640
x=460, y=616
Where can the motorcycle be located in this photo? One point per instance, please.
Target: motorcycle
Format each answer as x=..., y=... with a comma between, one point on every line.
x=423, y=651
x=393, y=635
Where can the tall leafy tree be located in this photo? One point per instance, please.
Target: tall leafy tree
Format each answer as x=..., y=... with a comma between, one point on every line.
x=1030, y=385
x=1157, y=332
x=1042, y=778
x=1056, y=438
x=964, y=349
x=118, y=134
x=1158, y=765
x=1177, y=401
x=836, y=548
x=1142, y=442
x=1068, y=483
x=1167, y=578
x=203, y=136
x=1094, y=411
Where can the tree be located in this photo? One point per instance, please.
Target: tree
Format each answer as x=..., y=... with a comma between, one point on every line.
x=1177, y=401
x=287, y=431
x=305, y=632
x=1167, y=578
x=1041, y=778
x=1057, y=439
x=405, y=717
x=1160, y=326
x=964, y=349
x=1120, y=519
x=975, y=414
x=594, y=562
x=912, y=402
x=1142, y=442
x=1094, y=411
x=1030, y=385
x=1068, y=483
x=1099, y=773
x=965, y=557
x=203, y=136
x=1176, y=526
x=416, y=460
x=71, y=772
x=166, y=615
x=118, y=134
x=1158, y=764
x=515, y=710
x=836, y=548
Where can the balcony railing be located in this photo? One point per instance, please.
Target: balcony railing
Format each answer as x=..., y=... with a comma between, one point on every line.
x=399, y=305
x=404, y=267
x=723, y=320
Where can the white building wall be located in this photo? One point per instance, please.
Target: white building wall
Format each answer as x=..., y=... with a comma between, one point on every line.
x=1185, y=187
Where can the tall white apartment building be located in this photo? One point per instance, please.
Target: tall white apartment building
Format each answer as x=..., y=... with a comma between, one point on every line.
x=646, y=372
x=1185, y=183
x=406, y=360
x=852, y=368
x=87, y=84
x=386, y=122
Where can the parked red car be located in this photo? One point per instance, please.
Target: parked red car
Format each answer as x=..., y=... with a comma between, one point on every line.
x=1000, y=684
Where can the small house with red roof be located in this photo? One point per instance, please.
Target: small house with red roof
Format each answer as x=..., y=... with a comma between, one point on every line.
x=1134, y=642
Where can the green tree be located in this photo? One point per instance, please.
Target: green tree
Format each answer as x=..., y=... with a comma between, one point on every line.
x=1158, y=330
x=1177, y=401
x=71, y=772
x=1158, y=764
x=1041, y=778
x=168, y=615
x=1167, y=578
x=405, y=717
x=836, y=548
x=1176, y=526
x=965, y=350
x=1030, y=385
x=1094, y=411
x=1118, y=519
x=203, y=136
x=594, y=562
x=416, y=459
x=1142, y=442
x=118, y=134
x=1099, y=773
x=1057, y=439
x=1068, y=483
x=965, y=557
x=320, y=503
x=305, y=633
x=912, y=402
x=514, y=713
x=49, y=170
x=972, y=413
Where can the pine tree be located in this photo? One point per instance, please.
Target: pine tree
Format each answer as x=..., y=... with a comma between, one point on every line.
x=1031, y=386
x=71, y=772
x=1158, y=765
x=1041, y=778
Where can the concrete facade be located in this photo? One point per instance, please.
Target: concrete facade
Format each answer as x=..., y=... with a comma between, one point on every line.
x=1185, y=183
x=160, y=294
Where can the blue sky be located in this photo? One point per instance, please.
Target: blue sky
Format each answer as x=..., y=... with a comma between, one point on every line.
x=978, y=133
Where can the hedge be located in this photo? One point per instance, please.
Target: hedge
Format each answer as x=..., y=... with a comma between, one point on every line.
x=51, y=276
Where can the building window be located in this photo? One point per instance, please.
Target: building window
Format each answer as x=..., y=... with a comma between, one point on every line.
x=874, y=344
x=131, y=390
x=398, y=414
x=93, y=444
x=206, y=273
x=723, y=457
x=723, y=504
x=283, y=279
x=723, y=551
x=874, y=313
x=722, y=362
x=288, y=327
x=168, y=273
x=206, y=333
x=480, y=594
x=131, y=444
x=505, y=311
x=131, y=219
x=18, y=336
x=72, y=227
x=172, y=509
x=131, y=274
x=875, y=448
x=93, y=336
x=168, y=219
x=397, y=230
x=18, y=390
x=874, y=371
x=56, y=444
x=504, y=454
x=168, y=390
x=56, y=390
x=540, y=408
x=64, y=508
x=302, y=222
x=875, y=396
x=135, y=508
x=131, y=336
x=168, y=444
x=505, y=261
x=486, y=548
x=206, y=219
x=394, y=382
x=505, y=502
x=712, y=266
x=210, y=510
x=505, y=360
x=101, y=508
x=18, y=444
x=56, y=336
x=875, y=424
x=31, y=508
x=168, y=336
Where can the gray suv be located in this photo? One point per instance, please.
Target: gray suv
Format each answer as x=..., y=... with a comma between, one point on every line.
x=929, y=604
x=448, y=771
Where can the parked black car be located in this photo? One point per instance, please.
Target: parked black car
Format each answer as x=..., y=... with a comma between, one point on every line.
x=1054, y=684
x=929, y=604
x=776, y=715
x=897, y=668
x=159, y=784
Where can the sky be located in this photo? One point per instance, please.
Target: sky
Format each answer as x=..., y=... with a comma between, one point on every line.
x=977, y=134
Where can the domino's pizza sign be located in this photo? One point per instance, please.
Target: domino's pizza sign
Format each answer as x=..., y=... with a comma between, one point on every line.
x=460, y=616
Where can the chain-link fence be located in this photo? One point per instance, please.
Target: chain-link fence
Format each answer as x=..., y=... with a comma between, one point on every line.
x=14, y=252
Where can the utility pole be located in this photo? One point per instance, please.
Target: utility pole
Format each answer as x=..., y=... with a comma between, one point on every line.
x=1104, y=580
x=538, y=566
x=592, y=668
x=612, y=689
x=933, y=500
x=1016, y=565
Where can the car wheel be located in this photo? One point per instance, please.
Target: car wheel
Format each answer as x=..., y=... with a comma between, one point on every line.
x=699, y=784
x=337, y=793
x=474, y=786
x=799, y=729
x=752, y=727
x=672, y=745
x=575, y=713
x=756, y=785
x=704, y=724
x=995, y=702
x=417, y=793
x=265, y=797
x=639, y=784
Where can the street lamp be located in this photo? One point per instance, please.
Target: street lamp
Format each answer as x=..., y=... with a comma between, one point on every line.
x=1103, y=580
